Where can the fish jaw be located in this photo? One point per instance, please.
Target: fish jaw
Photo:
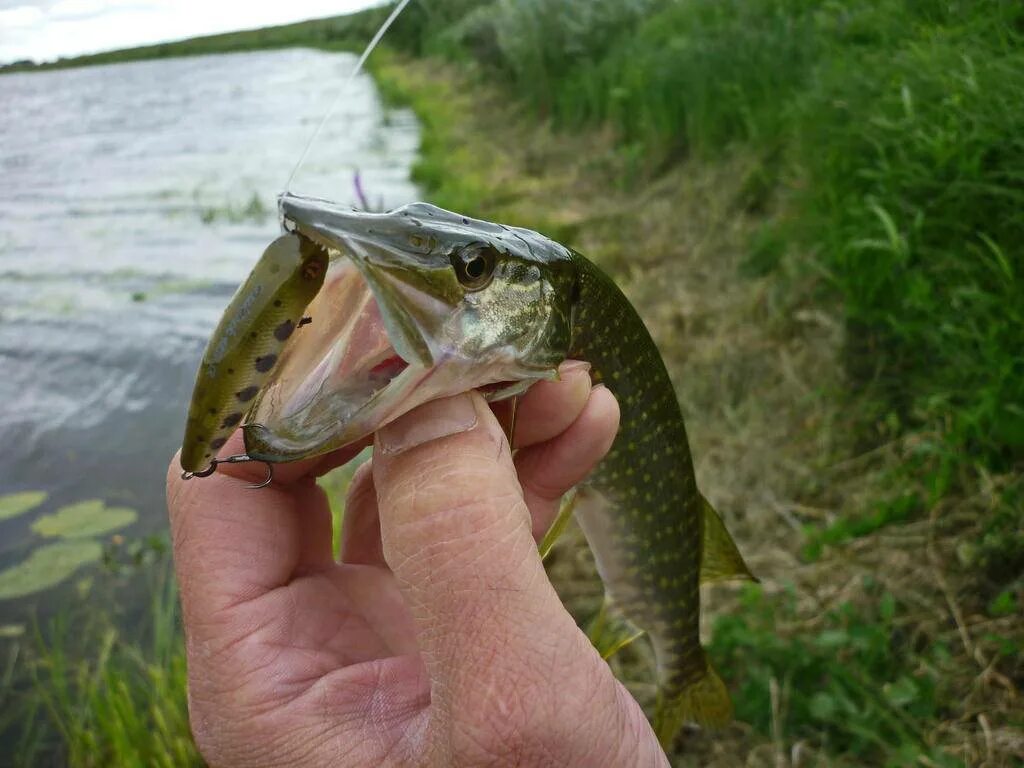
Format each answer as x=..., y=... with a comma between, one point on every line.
x=390, y=330
x=413, y=289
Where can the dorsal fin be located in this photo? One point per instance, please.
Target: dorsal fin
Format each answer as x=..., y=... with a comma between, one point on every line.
x=720, y=559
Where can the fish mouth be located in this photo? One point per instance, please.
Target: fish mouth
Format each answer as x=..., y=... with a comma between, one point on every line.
x=339, y=376
x=387, y=331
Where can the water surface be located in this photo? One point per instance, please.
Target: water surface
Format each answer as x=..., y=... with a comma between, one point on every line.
x=135, y=198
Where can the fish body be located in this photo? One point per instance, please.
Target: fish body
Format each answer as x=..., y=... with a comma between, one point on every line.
x=644, y=519
x=421, y=303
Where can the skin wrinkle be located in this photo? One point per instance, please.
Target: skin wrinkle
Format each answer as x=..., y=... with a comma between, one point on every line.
x=466, y=616
x=210, y=551
x=384, y=715
x=461, y=516
x=339, y=632
x=441, y=550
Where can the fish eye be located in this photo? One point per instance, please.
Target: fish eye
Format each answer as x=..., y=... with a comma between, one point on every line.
x=474, y=266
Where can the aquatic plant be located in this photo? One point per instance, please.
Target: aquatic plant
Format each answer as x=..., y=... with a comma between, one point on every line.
x=47, y=566
x=83, y=520
x=15, y=504
x=77, y=525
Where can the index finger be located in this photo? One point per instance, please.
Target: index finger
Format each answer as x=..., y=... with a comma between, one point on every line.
x=233, y=544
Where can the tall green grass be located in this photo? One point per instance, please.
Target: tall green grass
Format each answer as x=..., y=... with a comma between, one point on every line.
x=895, y=133
x=94, y=697
x=849, y=684
x=891, y=135
x=915, y=206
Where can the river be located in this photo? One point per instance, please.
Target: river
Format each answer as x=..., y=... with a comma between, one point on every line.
x=135, y=198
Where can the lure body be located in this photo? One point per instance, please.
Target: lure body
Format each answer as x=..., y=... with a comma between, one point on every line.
x=244, y=348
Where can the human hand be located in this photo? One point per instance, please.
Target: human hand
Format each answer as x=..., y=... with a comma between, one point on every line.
x=438, y=639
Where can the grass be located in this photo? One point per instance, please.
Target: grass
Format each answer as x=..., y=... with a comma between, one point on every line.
x=854, y=653
x=881, y=636
x=97, y=698
x=892, y=128
x=817, y=209
x=827, y=684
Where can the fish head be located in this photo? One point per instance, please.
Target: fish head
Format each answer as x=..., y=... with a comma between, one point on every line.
x=419, y=303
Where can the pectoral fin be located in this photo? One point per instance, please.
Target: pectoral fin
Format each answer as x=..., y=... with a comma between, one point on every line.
x=610, y=631
x=720, y=558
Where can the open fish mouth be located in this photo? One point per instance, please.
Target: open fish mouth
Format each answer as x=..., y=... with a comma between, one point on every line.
x=338, y=378
x=396, y=324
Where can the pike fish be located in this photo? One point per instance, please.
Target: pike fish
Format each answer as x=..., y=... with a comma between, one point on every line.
x=420, y=303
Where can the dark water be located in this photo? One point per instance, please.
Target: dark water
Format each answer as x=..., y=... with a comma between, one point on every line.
x=134, y=199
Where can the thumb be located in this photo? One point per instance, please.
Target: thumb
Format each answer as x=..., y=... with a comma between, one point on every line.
x=457, y=535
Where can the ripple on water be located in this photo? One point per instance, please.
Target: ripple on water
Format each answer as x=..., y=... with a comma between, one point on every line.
x=110, y=281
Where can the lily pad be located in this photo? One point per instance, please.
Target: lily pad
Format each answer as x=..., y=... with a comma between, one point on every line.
x=47, y=566
x=84, y=520
x=15, y=504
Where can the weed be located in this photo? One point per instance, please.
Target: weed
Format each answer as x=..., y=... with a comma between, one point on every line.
x=854, y=684
x=108, y=700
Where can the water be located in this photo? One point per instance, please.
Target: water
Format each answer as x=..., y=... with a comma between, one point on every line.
x=135, y=198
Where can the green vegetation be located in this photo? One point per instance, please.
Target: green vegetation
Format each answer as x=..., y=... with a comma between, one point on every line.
x=817, y=207
x=47, y=566
x=839, y=683
x=83, y=520
x=91, y=688
x=107, y=700
x=15, y=504
x=253, y=210
x=76, y=525
x=338, y=33
x=895, y=128
x=870, y=157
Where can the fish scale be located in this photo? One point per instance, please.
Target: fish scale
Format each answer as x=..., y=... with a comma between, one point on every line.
x=640, y=508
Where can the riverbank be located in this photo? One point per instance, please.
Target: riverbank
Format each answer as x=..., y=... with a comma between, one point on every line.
x=851, y=651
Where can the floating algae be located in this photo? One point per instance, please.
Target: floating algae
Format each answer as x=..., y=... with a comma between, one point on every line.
x=84, y=520
x=47, y=566
x=15, y=504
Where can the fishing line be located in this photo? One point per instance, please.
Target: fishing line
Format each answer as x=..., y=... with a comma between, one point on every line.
x=344, y=87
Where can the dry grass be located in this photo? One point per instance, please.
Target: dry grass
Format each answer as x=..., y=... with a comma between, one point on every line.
x=756, y=366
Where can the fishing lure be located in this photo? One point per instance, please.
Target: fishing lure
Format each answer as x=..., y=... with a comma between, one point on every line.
x=244, y=348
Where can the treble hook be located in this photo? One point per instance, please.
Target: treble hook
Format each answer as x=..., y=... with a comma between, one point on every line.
x=241, y=458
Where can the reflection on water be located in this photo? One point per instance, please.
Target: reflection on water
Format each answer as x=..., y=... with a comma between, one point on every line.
x=135, y=198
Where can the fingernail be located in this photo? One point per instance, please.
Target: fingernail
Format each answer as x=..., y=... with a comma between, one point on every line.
x=597, y=387
x=430, y=421
x=573, y=366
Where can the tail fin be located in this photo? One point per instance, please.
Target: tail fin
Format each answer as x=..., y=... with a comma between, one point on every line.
x=705, y=701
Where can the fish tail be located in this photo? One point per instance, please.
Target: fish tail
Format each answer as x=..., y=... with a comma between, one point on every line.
x=704, y=701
